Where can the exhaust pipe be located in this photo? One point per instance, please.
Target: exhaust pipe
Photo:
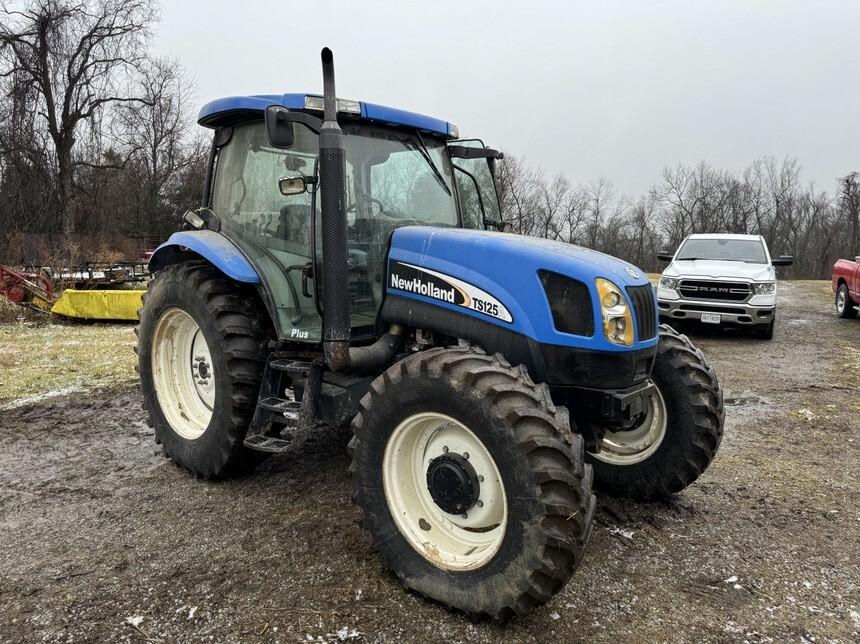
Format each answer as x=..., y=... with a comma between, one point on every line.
x=335, y=283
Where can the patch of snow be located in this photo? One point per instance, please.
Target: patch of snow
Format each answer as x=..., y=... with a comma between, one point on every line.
x=135, y=620
x=731, y=579
x=29, y=400
x=627, y=534
x=554, y=616
x=855, y=617
x=347, y=633
x=191, y=612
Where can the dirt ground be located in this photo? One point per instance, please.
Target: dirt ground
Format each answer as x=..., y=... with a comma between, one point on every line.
x=104, y=540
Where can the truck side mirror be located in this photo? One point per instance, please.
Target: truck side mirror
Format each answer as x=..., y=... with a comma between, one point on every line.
x=665, y=255
x=783, y=260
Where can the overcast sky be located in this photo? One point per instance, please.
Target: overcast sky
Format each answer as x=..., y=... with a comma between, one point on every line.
x=582, y=88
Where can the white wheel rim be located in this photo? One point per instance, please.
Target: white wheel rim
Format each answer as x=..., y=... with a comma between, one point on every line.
x=449, y=541
x=635, y=445
x=183, y=373
x=840, y=301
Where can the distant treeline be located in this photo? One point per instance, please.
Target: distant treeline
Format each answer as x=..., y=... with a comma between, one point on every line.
x=767, y=198
x=98, y=145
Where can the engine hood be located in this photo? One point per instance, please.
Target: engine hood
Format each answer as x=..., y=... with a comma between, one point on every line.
x=501, y=273
x=717, y=269
x=506, y=251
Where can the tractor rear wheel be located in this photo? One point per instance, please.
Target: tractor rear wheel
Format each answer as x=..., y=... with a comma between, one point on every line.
x=679, y=434
x=200, y=358
x=471, y=484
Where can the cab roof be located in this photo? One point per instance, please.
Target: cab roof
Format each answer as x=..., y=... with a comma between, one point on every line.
x=233, y=109
x=723, y=236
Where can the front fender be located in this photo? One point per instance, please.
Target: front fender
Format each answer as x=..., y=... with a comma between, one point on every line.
x=220, y=251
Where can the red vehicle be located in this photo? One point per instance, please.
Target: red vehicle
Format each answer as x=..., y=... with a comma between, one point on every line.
x=846, y=285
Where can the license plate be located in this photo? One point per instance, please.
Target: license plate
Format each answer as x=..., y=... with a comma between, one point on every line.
x=711, y=318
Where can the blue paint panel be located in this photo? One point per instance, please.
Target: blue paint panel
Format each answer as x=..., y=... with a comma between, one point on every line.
x=213, y=246
x=369, y=111
x=506, y=266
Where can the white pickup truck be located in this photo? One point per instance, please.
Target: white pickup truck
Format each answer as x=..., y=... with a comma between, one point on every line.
x=721, y=279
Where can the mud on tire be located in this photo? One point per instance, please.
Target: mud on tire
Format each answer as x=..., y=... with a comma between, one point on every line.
x=228, y=316
x=540, y=462
x=694, y=428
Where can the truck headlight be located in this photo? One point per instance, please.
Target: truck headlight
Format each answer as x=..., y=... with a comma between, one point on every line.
x=670, y=283
x=617, y=320
x=765, y=288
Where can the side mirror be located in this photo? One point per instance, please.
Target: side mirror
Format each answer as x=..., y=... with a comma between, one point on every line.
x=292, y=185
x=279, y=129
x=506, y=227
x=665, y=255
x=857, y=259
x=279, y=125
x=782, y=260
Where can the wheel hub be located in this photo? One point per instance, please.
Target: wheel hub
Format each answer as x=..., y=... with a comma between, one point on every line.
x=453, y=483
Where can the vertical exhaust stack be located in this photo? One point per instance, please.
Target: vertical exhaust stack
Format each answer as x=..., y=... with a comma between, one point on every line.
x=335, y=282
x=335, y=270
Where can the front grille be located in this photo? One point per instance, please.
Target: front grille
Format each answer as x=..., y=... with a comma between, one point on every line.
x=705, y=290
x=645, y=309
x=711, y=309
x=569, y=302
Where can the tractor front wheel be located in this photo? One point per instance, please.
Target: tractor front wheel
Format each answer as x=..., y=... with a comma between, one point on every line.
x=200, y=359
x=471, y=484
x=677, y=437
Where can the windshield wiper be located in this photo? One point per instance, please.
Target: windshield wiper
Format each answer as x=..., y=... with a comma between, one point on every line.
x=421, y=148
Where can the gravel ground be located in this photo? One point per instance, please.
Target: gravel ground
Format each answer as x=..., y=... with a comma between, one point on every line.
x=103, y=540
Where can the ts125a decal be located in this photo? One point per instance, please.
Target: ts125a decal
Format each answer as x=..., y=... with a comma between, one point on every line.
x=438, y=286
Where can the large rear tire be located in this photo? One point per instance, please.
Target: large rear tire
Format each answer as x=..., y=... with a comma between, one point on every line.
x=680, y=434
x=200, y=354
x=470, y=482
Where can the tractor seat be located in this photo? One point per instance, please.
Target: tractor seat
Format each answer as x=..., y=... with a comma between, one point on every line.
x=295, y=223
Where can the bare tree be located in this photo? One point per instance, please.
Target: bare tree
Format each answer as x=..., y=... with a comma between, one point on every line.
x=78, y=55
x=155, y=132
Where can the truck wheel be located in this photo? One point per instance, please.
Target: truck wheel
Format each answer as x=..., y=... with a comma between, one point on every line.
x=844, y=305
x=766, y=332
x=680, y=434
x=470, y=482
x=200, y=359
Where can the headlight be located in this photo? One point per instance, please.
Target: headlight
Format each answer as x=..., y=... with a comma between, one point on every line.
x=617, y=320
x=765, y=288
x=668, y=282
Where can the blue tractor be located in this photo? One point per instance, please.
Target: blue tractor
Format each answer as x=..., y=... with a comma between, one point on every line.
x=356, y=268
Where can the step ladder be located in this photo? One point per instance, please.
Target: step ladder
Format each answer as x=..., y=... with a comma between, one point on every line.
x=281, y=424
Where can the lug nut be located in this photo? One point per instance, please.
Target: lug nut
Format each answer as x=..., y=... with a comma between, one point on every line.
x=465, y=454
x=444, y=449
x=480, y=504
x=465, y=515
x=481, y=478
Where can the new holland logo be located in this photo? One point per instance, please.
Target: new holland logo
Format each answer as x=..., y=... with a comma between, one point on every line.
x=442, y=287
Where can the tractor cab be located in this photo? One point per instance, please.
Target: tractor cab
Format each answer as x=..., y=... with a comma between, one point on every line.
x=401, y=169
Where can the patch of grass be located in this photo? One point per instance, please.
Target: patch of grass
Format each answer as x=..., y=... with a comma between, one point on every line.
x=36, y=360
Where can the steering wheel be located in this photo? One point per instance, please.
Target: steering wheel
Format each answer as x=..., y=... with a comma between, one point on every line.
x=352, y=206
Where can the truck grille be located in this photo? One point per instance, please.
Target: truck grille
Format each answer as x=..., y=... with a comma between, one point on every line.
x=706, y=290
x=645, y=309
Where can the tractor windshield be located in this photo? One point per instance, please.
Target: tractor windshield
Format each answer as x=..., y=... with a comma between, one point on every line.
x=394, y=178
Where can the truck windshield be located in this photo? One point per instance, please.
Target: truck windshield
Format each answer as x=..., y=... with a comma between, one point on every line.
x=730, y=250
x=394, y=178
